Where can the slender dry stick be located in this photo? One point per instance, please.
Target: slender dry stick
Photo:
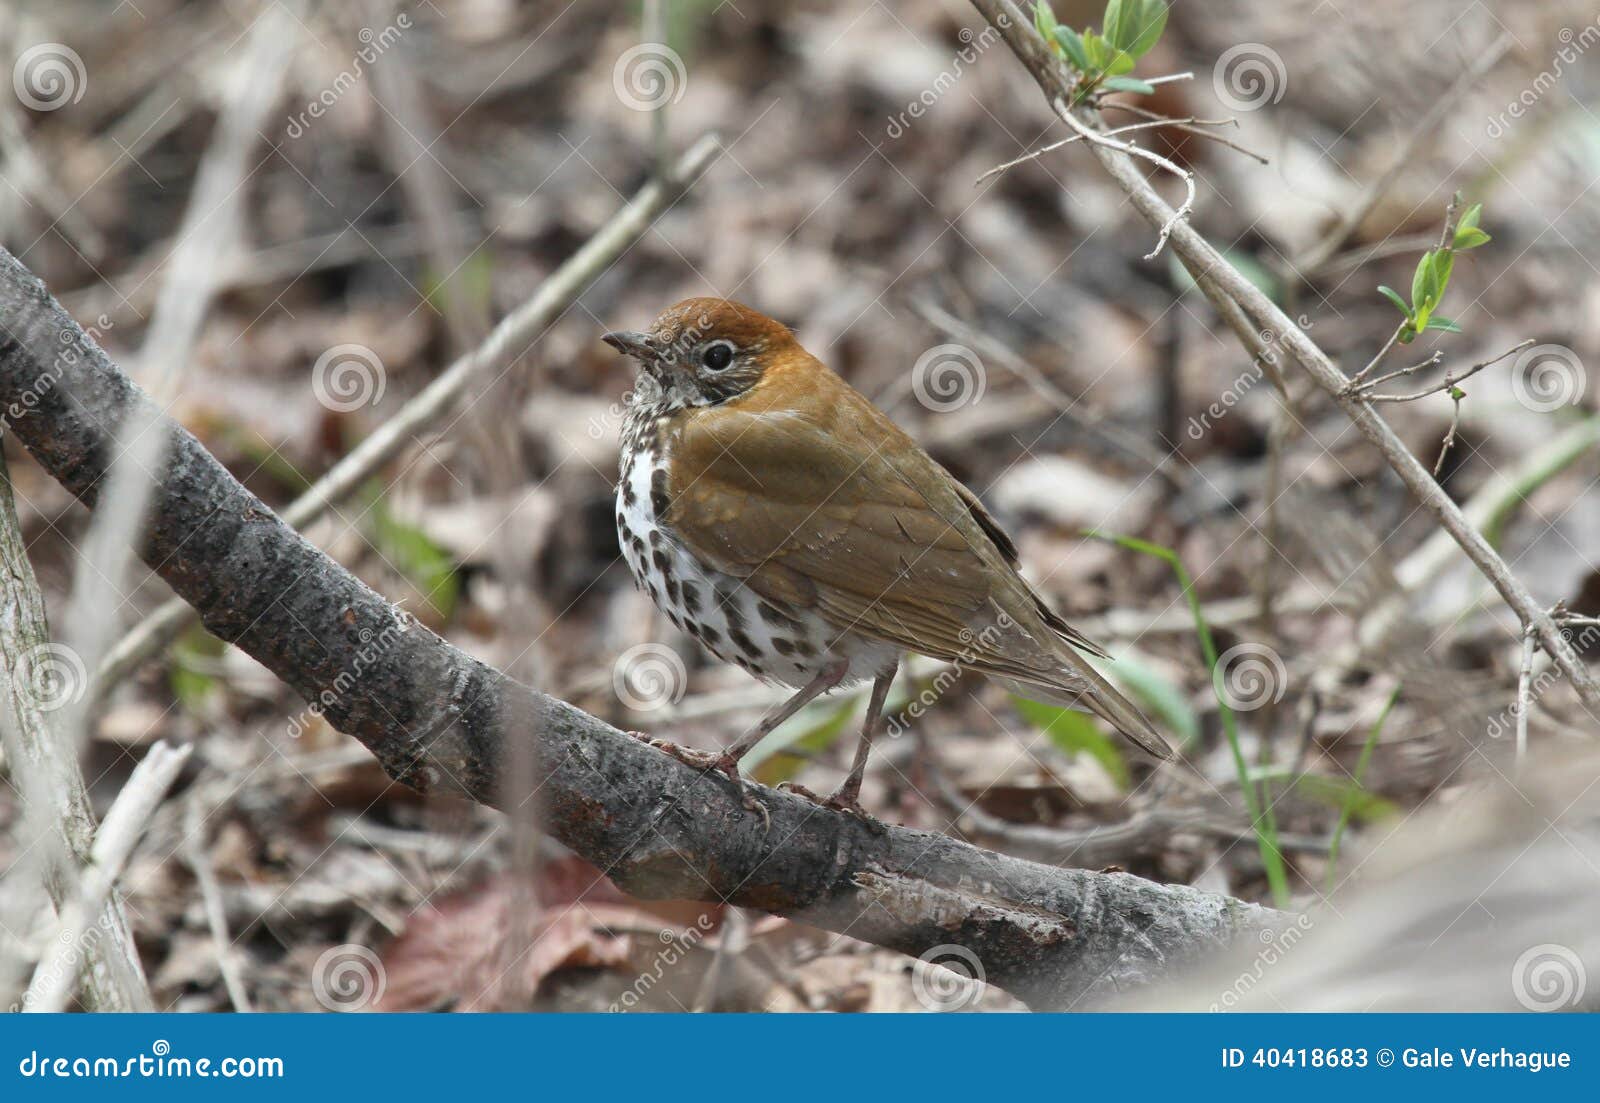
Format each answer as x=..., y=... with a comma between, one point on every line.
x=1191, y=127
x=509, y=340
x=1434, y=360
x=1450, y=379
x=1394, y=339
x=46, y=771
x=199, y=862
x=1524, y=694
x=1364, y=390
x=1202, y=259
x=1449, y=437
x=1128, y=150
x=56, y=977
x=1154, y=124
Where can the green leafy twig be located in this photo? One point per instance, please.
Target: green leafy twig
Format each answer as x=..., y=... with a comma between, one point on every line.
x=1103, y=60
x=1432, y=277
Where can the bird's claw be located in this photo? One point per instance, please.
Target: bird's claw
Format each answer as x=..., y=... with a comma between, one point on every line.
x=837, y=802
x=723, y=763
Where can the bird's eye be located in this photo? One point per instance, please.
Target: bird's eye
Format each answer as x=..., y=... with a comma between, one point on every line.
x=718, y=356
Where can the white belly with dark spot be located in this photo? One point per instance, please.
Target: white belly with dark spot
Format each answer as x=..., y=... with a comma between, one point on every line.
x=728, y=618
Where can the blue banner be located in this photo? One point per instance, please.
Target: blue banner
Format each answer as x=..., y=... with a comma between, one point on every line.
x=799, y=1057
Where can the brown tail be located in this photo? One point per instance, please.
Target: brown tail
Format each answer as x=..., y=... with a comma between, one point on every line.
x=1102, y=699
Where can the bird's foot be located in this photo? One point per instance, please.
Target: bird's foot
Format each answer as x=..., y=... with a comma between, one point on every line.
x=729, y=765
x=708, y=761
x=838, y=801
x=689, y=756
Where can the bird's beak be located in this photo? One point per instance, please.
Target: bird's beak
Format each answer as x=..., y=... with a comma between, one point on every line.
x=631, y=343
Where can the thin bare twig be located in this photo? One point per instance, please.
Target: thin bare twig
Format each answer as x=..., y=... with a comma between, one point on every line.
x=199, y=862
x=1053, y=146
x=1450, y=437
x=1434, y=360
x=1194, y=127
x=1450, y=379
x=1394, y=338
x=1098, y=138
x=1524, y=693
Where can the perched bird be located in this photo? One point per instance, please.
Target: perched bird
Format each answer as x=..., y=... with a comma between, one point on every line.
x=785, y=522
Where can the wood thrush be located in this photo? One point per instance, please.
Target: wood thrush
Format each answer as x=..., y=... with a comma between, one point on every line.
x=785, y=522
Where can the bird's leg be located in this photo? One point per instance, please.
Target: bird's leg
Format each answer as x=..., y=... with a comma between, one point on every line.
x=847, y=797
x=826, y=679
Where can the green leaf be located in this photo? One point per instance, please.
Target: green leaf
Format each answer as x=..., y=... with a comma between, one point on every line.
x=1134, y=26
x=1148, y=26
x=1074, y=733
x=1120, y=63
x=1424, y=284
x=1469, y=219
x=190, y=681
x=1444, y=324
x=412, y=552
x=1394, y=297
x=1128, y=84
x=1072, y=44
x=1097, y=52
x=1444, y=262
x=1471, y=239
x=1044, y=20
x=1117, y=13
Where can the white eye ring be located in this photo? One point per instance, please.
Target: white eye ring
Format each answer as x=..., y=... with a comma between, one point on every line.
x=707, y=358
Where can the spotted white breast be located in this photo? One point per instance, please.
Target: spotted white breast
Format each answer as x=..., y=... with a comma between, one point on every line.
x=790, y=646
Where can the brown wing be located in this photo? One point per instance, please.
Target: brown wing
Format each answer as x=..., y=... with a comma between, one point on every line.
x=817, y=499
x=807, y=492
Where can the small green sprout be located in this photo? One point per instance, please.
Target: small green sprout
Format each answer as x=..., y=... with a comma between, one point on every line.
x=1432, y=277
